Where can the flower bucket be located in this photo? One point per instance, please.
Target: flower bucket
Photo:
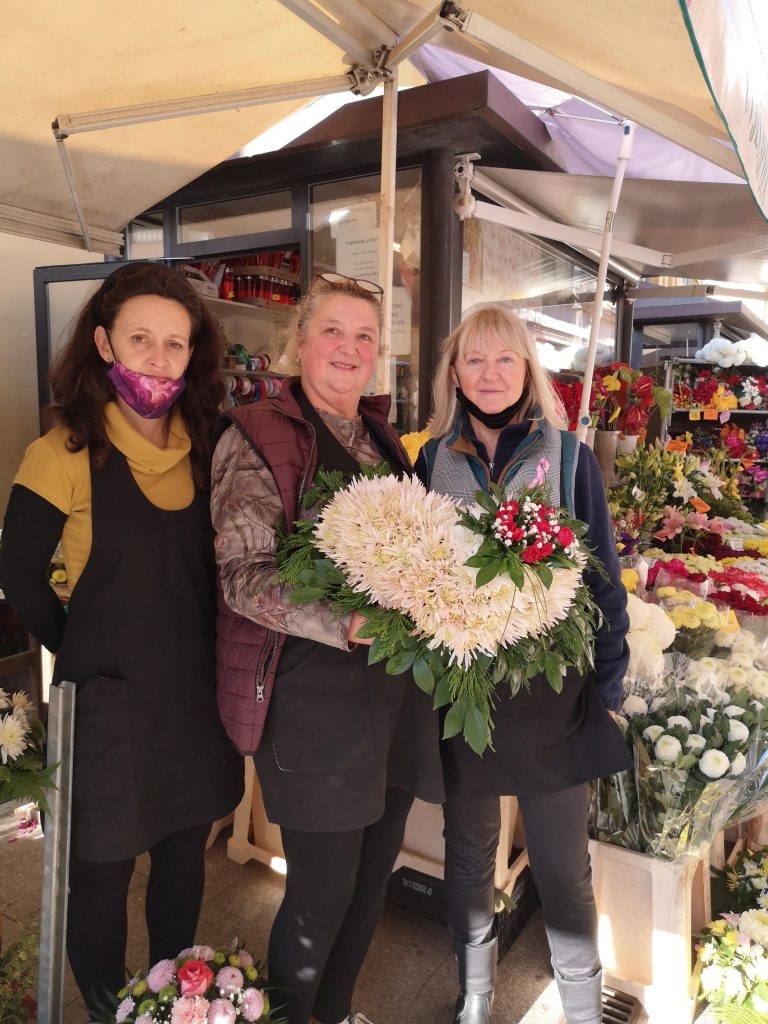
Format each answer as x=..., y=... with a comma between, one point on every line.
x=605, y=453
x=626, y=443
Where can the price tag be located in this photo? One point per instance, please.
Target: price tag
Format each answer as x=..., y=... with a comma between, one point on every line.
x=674, y=444
x=694, y=414
x=699, y=504
x=731, y=623
x=710, y=414
x=736, y=543
x=725, y=415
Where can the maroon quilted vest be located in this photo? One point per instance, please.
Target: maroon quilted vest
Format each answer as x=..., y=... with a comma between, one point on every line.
x=247, y=654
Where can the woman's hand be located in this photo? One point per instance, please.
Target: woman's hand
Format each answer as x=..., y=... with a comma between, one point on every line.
x=355, y=623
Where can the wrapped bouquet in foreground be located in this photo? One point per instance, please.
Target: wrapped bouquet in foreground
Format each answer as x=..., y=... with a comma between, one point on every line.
x=201, y=986
x=475, y=603
x=23, y=775
x=733, y=967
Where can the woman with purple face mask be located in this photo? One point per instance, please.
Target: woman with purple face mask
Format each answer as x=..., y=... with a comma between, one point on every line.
x=122, y=482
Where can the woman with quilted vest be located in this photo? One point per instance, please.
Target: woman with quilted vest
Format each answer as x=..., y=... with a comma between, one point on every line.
x=341, y=749
x=495, y=416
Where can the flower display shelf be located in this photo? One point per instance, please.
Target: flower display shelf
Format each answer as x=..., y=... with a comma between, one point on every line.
x=648, y=912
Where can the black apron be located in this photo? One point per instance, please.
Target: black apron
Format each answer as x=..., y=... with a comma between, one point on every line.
x=339, y=731
x=151, y=756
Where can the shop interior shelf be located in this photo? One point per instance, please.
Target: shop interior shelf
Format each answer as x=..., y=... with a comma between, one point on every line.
x=255, y=374
x=733, y=412
x=252, y=307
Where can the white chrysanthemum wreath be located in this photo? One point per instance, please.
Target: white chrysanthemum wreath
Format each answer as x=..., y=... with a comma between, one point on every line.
x=466, y=599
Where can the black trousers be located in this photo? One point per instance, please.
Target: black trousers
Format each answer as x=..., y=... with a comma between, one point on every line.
x=335, y=888
x=97, y=917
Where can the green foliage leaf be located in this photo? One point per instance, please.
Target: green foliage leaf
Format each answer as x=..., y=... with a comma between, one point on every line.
x=553, y=673
x=486, y=574
x=423, y=675
x=476, y=731
x=442, y=693
x=454, y=720
x=486, y=501
x=306, y=595
x=400, y=662
x=545, y=575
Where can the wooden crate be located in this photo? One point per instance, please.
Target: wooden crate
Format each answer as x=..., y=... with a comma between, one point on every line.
x=648, y=912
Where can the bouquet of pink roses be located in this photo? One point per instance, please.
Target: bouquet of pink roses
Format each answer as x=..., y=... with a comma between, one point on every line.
x=201, y=986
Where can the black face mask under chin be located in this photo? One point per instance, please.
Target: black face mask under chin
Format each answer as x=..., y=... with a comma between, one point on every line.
x=492, y=420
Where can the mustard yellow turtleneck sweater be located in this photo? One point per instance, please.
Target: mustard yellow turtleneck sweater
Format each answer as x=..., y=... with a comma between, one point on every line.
x=63, y=478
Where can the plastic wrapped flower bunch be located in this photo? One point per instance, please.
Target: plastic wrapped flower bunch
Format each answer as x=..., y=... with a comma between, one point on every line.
x=201, y=986
x=696, y=620
x=651, y=631
x=734, y=967
x=746, y=880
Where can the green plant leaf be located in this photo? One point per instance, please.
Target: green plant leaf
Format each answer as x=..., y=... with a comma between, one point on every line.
x=485, y=501
x=423, y=675
x=486, y=574
x=442, y=693
x=552, y=670
x=306, y=595
x=545, y=575
x=400, y=662
x=476, y=731
x=454, y=720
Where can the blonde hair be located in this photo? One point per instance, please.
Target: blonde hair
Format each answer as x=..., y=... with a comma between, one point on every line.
x=475, y=331
x=319, y=290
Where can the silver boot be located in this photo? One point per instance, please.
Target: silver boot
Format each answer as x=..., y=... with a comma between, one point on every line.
x=477, y=978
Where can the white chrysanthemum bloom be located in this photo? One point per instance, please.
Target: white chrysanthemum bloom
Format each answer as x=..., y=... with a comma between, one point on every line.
x=733, y=986
x=754, y=923
x=737, y=676
x=667, y=748
x=646, y=658
x=758, y=683
x=714, y=764
x=734, y=711
x=21, y=702
x=737, y=731
x=12, y=737
x=679, y=720
x=652, y=733
x=637, y=610
x=695, y=743
x=5, y=700
x=710, y=713
x=738, y=765
x=405, y=550
x=634, y=705
x=745, y=642
x=660, y=626
x=711, y=976
x=742, y=660
x=762, y=900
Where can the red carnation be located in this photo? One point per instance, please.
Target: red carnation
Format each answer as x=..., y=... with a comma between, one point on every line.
x=565, y=536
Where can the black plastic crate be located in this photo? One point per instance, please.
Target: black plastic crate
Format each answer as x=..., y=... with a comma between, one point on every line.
x=424, y=895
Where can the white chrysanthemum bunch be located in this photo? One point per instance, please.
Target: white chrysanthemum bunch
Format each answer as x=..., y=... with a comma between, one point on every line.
x=15, y=731
x=651, y=631
x=405, y=549
x=735, y=964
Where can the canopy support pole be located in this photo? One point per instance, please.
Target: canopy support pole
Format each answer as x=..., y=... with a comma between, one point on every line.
x=625, y=151
x=387, y=229
x=53, y=914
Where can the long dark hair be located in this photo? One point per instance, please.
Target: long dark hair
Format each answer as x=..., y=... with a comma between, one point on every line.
x=79, y=382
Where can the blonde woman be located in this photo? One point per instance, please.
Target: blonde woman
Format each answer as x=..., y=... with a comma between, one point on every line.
x=495, y=417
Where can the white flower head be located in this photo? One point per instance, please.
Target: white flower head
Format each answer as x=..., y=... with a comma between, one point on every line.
x=667, y=748
x=738, y=764
x=5, y=700
x=634, y=705
x=680, y=720
x=711, y=977
x=12, y=737
x=734, y=711
x=754, y=923
x=714, y=764
x=737, y=676
x=653, y=732
x=21, y=702
x=737, y=731
x=695, y=742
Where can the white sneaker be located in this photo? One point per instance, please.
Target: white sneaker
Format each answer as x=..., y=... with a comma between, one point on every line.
x=358, y=1018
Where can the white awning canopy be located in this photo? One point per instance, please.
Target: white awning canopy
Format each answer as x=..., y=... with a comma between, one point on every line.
x=65, y=59
x=662, y=228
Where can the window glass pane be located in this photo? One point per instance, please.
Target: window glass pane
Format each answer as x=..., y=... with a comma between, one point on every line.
x=345, y=219
x=252, y=215
x=553, y=295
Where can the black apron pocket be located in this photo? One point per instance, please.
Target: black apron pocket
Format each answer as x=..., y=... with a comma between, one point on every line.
x=562, y=714
x=320, y=720
x=103, y=756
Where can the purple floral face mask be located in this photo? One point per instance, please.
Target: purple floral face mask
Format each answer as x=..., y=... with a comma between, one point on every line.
x=150, y=397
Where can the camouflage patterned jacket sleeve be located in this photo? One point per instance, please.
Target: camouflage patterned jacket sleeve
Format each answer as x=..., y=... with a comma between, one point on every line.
x=245, y=508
